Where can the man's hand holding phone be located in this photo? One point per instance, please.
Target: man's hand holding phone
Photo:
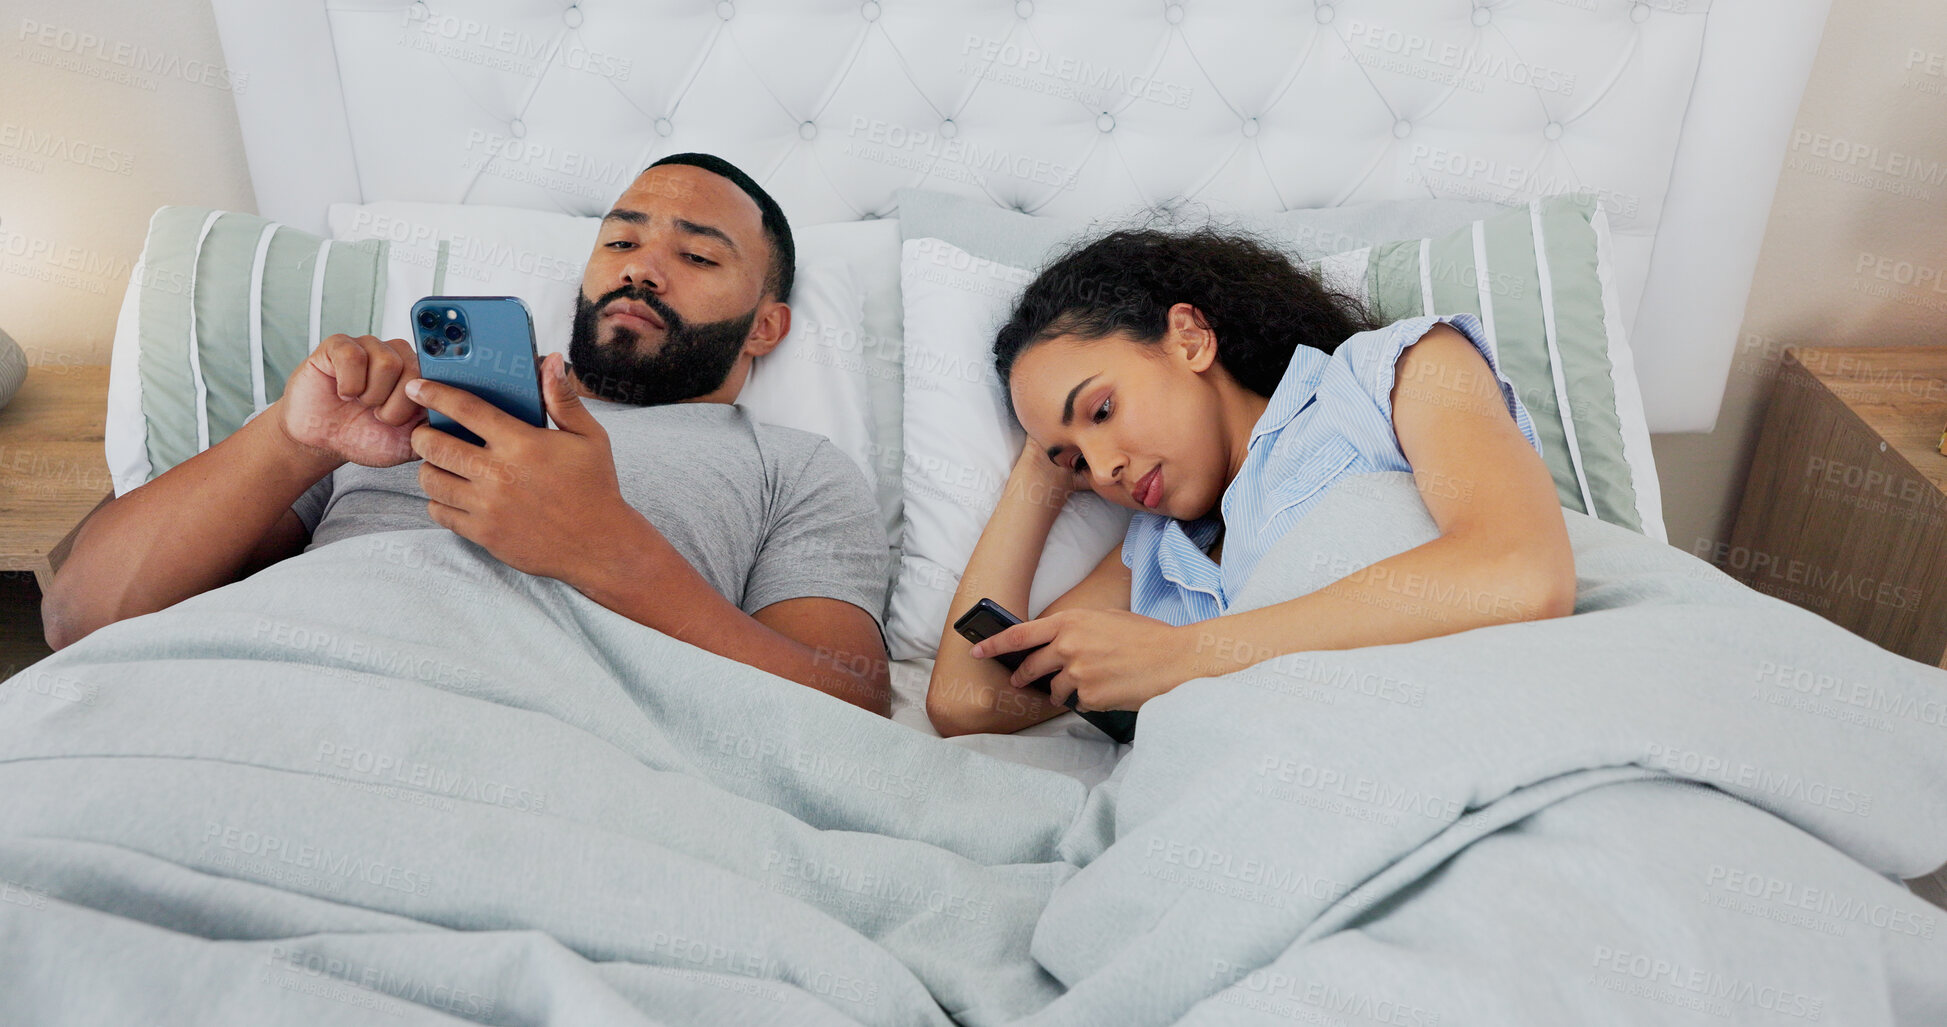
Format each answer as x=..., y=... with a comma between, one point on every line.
x=545, y=501
x=347, y=401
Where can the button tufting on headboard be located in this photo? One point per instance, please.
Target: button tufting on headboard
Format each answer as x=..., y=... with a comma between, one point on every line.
x=1065, y=108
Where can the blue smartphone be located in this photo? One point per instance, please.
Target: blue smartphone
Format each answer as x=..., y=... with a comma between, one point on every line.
x=485, y=345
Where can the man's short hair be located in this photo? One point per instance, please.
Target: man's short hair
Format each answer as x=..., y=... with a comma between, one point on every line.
x=784, y=252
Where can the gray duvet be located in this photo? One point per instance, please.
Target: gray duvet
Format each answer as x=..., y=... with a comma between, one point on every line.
x=391, y=780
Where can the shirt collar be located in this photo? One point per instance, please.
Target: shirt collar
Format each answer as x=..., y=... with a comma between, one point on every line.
x=708, y=409
x=1173, y=557
x=1298, y=385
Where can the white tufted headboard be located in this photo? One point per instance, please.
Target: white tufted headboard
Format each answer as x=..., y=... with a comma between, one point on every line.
x=1676, y=112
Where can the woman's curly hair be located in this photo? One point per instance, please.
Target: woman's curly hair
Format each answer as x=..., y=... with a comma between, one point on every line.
x=1260, y=303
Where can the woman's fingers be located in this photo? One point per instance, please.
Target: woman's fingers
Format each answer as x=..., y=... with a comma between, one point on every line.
x=1039, y=664
x=1025, y=635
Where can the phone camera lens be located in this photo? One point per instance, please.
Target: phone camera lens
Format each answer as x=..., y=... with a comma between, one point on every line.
x=455, y=332
x=429, y=319
x=432, y=345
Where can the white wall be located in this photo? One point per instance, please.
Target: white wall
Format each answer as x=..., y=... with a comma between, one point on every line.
x=1859, y=220
x=108, y=110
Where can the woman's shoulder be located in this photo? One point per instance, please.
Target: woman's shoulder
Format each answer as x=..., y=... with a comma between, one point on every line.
x=1385, y=343
x=1366, y=365
x=1369, y=359
x=1346, y=417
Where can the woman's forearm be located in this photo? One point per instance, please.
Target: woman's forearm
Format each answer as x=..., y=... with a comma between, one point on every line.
x=966, y=694
x=189, y=530
x=1450, y=584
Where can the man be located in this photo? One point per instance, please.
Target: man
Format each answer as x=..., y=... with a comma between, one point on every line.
x=653, y=495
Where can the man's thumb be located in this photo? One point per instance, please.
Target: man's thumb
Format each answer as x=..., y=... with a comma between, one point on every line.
x=564, y=405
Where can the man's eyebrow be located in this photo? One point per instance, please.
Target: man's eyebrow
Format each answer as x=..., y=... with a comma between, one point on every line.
x=710, y=230
x=1068, y=409
x=636, y=217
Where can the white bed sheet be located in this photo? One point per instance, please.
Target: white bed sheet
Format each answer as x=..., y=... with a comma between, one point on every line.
x=1067, y=744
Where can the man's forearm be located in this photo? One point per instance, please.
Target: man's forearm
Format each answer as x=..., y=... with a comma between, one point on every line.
x=189, y=530
x=639, y=575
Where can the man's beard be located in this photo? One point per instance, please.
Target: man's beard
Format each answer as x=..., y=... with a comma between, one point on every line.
x=693, y=361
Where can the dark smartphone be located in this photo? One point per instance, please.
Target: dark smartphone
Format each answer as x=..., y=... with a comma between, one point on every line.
x=987, y=618
x=485, y=345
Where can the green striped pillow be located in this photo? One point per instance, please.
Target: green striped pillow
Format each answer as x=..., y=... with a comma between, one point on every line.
x=220, y=310
x=1539, y=278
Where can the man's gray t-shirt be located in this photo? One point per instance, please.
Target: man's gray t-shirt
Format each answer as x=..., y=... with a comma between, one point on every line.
x=763, y=512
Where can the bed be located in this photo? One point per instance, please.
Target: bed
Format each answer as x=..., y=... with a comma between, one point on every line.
x=277, y=803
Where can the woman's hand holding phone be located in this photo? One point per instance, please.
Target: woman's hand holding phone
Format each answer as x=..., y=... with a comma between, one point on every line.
x=347, y=401
x=1110, y=659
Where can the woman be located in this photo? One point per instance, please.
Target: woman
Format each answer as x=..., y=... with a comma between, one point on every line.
x=1220, y=391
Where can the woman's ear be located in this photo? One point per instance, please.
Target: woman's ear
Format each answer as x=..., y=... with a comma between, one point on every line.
x=1190, y=332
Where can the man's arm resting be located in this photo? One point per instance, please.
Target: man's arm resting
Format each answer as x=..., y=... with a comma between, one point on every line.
x=827, y=644
x=204, y=523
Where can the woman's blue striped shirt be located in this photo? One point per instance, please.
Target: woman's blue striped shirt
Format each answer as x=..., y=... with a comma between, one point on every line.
x=1330, y=417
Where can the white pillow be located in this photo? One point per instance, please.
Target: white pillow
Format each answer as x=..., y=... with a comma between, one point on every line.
x=805, y=382
x=816, y=380
x=960, y=445
x=845, y=379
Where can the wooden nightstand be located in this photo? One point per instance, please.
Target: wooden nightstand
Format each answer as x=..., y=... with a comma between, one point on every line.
x=53, y=474
x=52, y=469
x=1845, y=509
